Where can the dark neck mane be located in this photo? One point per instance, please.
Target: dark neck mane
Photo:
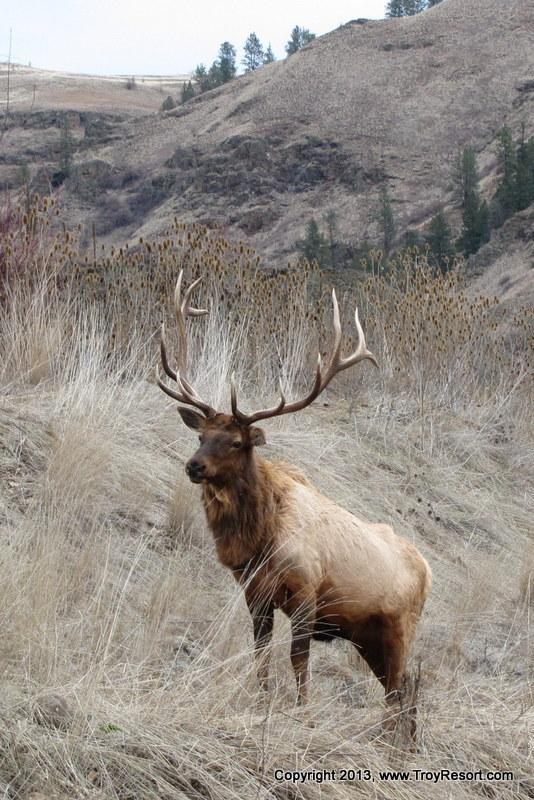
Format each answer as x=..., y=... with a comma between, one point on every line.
x=242, y=514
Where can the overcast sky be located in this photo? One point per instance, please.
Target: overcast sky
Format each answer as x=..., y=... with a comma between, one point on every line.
x=158, y=36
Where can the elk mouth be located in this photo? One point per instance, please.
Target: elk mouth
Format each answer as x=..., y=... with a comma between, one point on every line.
x=195, y=472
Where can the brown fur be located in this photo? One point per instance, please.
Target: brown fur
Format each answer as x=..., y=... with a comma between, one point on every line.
x=294, y=549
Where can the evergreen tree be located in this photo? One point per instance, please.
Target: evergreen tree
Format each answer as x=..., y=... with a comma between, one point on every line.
x=331, y=225
x=433, y=3
x=475, y=213
x=188, y=91
x=465, y=176
x=386, y=220
x=214, y=76
x=221, y=71
x=202, y=78
x=412, y=239
x=65, y=150
x=516, y=186
x=268, y=56
x=314, y=246
x=227, y=68
x=253, y=53
x=404, y=8
x=524, y=173
x=395, y=8
x=299, y=38
x=483, y=227
x=506, y=190
x=168, y=104
x=439, y=240
x=415, y=6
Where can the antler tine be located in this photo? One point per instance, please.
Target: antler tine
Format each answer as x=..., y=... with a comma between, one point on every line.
x=337, y=329
x=182, y=309
x=164, y=360
x=190, y=396
x=282, y=407
x=167, y=389
x=185, y=308
x=248, y=419
x=336, y=364
x=186, y=393
x=361, y=351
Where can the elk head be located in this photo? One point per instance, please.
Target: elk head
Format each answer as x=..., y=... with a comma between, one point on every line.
x=227, y=440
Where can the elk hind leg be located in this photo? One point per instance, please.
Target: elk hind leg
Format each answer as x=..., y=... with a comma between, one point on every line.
x=382, y=644
x=397, y=637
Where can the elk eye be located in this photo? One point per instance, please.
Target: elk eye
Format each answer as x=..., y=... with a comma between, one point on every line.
x=236, y=445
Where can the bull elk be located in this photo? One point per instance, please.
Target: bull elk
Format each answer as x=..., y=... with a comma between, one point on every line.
x=289, y=546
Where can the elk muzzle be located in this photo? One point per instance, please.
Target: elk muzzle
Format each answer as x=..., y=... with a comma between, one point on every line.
x=195, y=470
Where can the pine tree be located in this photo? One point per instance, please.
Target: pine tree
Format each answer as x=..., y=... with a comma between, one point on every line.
x=300, y=37
x=415, y=6
x=483, y=226
x=475, y=213
x=65, y=150
x=253, y=53
x=515, y=190
x=268, y=56
x=386, y=220
x=405, y=8
x=226, y=62
x=395, y=8
x=524, y=173
x=331, y=225
x=412, y=239
x=465, y=176
x=188, y=91
x=439, y=240
x=168, y=104
x=202, y=78
x=314, y=246
x=506, y=190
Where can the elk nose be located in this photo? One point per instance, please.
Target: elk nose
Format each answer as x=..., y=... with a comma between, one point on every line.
x=194, y=469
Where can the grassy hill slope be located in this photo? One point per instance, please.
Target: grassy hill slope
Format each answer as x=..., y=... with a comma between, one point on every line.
x=125, y=648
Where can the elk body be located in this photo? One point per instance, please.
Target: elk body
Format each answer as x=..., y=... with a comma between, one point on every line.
x=292, y=548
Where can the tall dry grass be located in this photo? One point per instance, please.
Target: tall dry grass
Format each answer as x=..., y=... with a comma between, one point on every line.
x=125, y=649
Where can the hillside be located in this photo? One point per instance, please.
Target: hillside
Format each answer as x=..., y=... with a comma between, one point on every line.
x=373, y=103
x=126, y=657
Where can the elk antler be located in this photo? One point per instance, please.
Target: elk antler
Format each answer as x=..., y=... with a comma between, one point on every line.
x=336, y=364
x=186, y=393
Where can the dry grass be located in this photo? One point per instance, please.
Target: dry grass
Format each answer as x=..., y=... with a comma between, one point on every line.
x=126, y=649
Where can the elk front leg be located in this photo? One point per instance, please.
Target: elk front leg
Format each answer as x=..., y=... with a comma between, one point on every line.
x=262, y=613
x=302, y=624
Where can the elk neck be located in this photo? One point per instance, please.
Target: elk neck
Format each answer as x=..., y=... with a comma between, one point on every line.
x=242, y=512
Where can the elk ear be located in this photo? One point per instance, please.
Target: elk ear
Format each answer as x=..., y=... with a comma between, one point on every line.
x=191, y=418
x=257, y=436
